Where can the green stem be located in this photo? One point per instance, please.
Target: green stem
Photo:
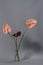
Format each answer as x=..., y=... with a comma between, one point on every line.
x=16, y=43
x=22, y=37
x=17, y=55
x=17, y=52
x=13, y=38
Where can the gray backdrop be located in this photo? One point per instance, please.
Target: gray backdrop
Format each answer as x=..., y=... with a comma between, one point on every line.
x=15, y=12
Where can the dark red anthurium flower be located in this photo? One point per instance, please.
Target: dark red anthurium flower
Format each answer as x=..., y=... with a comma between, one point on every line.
x=17, y=34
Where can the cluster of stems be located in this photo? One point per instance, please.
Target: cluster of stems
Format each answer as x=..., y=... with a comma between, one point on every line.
x=16, y=44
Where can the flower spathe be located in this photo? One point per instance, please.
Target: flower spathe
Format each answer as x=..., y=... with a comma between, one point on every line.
x=6, y=29
x=17, y=34
x=31, y=23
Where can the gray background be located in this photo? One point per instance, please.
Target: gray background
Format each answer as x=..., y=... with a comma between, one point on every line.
x=15, y=12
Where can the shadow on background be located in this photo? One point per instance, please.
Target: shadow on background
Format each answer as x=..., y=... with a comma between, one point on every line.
x=34, y=46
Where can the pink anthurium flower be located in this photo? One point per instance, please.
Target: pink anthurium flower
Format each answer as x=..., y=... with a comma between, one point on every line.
x=31, y=23
x=6, y=29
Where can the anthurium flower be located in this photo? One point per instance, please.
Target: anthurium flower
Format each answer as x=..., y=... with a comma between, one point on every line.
x=6, y=29
x=17, y=34
x=31, y=23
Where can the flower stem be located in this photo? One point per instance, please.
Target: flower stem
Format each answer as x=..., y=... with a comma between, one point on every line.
x=15, y=40
x=22, y=37
x=17, y=52
x=17, y=55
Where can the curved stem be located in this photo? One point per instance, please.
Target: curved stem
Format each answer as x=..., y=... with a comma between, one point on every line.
x=22, y=37
x=13, y=38
x=16, y=43
x=17, y=51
